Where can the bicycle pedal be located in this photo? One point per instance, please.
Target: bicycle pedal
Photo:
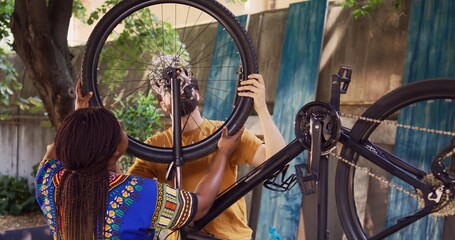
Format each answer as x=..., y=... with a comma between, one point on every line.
x=282, y=184
x=306, y=180
x=344, y=75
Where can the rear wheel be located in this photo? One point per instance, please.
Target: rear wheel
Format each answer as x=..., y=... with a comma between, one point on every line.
x=366, y=213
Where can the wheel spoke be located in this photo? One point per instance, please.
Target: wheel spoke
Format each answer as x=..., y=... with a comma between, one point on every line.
x=120, y=64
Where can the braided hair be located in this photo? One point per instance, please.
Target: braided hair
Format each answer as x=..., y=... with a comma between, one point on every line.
x=84, y=143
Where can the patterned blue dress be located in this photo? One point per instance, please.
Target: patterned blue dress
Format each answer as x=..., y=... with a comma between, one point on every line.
x=136, y=206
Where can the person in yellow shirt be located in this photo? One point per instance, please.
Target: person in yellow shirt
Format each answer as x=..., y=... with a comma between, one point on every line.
x=232, y=223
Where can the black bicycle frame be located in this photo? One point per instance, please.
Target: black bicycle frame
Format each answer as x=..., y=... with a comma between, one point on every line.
x=251, y=180
x=398, y=168
x=373, y=153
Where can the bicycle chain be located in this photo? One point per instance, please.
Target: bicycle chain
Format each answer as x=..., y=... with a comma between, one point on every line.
x=393, y=123
x=381, y=179
x=367, y=171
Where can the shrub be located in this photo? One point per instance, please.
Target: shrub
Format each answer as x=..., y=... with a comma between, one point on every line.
x=140, y=118
x=16, y=197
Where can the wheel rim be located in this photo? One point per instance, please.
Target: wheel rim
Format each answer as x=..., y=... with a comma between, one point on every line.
x=106, y=67
x=350, y=211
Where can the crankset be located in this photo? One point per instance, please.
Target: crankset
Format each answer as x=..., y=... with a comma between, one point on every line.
x=330, y=122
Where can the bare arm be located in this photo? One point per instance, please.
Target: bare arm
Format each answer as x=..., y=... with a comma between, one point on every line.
x=254, y=87
x=81, y=102
x=50, y=152
x=209, y=185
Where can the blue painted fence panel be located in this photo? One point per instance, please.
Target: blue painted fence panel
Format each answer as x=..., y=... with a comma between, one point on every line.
x=429, y=54
x=296, y=86
x=220, y=87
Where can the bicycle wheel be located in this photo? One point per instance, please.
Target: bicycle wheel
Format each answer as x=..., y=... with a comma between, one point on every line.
x=368, y=207
x=201, y=36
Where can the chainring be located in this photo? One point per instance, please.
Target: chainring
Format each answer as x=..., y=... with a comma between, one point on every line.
x=330, y=122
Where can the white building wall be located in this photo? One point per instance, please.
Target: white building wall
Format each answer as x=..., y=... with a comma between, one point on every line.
x=79, y=32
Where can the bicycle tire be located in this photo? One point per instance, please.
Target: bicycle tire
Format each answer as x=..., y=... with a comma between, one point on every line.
x=120, y=12
x=362, y=130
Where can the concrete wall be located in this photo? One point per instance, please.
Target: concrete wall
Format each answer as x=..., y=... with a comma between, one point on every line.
x=374, y=46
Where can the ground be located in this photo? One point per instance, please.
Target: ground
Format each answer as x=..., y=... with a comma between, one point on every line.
x=8, y=222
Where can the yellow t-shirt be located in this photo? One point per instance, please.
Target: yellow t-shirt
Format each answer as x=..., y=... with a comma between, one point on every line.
x=232, y=223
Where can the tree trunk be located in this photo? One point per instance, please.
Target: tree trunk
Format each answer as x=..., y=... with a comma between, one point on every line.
x=40, y=40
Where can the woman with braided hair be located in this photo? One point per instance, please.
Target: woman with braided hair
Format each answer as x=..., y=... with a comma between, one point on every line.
x=83, y=196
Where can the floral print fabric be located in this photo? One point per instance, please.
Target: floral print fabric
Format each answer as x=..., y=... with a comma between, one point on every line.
x=135, y=208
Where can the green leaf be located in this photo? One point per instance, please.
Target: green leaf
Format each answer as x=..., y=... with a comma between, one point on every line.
x=47, y=124
x=365, y=7
x=15, y=196
x=17, y=85
x=35, y=101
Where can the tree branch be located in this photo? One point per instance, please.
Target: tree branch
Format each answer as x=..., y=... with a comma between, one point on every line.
x=59, y=17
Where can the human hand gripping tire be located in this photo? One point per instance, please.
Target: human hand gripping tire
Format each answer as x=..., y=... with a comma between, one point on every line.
x=254, y=87
x=227, y=144
x=209, y=185
x=81, y=101
x=273, y=140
